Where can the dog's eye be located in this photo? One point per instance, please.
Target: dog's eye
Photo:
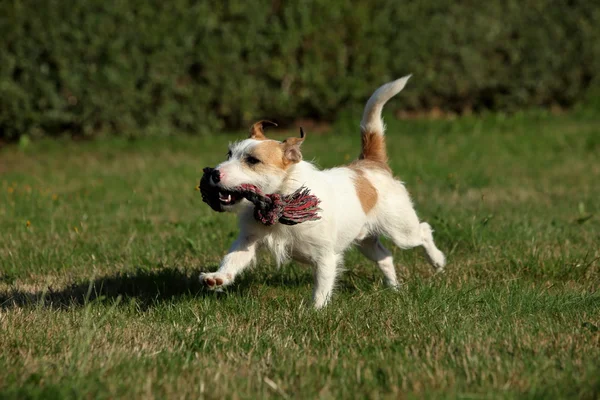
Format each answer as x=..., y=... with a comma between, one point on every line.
x=252, y=160
x=229, y=154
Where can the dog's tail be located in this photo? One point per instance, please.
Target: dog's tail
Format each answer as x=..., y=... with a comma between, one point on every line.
x=371, y=126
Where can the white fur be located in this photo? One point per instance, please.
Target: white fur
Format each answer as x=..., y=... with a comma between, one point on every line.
x=371, y=120
x=343, y=222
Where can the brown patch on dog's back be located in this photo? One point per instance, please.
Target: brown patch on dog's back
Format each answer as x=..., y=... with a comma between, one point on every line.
x=366, y=192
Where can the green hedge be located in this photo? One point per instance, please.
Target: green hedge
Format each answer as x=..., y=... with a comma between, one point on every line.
x=150, y=67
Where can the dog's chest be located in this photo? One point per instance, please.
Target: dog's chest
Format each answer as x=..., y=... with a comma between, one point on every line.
x=285, y=244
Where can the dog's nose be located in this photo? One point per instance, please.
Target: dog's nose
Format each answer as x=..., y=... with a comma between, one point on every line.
x=215, y=175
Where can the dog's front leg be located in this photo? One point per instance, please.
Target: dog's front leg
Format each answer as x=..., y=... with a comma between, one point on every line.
x=241, y=254
x=326, y=270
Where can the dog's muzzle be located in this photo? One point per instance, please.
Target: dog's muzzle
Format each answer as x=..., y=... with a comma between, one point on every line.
x=292, y=209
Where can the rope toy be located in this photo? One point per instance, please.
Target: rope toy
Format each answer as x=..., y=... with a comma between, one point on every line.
x=292, y=209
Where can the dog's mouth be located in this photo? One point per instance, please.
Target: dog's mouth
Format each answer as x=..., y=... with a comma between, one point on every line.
x=228, y=198
x=220, y=198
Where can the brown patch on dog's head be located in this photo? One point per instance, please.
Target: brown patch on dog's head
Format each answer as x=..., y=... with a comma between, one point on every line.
x=256, y=130
x=366, y=192
x=270, y=154
x=291, y=148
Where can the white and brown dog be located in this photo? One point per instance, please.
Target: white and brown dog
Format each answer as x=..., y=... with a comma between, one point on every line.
x=359, y=203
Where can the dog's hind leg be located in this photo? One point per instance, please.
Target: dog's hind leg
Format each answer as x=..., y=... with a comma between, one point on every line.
x=434, y=255
x=412, y=233
x=373, y=249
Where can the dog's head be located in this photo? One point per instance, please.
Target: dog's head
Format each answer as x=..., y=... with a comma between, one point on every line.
x=256, y=161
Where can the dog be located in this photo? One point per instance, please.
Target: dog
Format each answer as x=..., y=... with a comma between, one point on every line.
x=360, y=202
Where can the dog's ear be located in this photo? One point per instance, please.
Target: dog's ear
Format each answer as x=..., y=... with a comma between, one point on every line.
x=256, y=130
x=291, y=148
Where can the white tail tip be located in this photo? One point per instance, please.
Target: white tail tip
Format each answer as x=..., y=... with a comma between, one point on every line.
x=371, y=121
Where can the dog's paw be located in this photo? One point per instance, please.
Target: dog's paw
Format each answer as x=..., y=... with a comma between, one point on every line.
x=216, y=280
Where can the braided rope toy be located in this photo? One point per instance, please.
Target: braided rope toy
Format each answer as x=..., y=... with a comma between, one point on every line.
x=292, y=209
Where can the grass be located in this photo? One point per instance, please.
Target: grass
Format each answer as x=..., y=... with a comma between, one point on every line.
x=101, y=244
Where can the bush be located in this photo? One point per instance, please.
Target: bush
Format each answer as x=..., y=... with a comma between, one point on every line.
x=185, y=66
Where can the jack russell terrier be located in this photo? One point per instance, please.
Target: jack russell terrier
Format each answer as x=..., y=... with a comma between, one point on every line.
x=359, y=202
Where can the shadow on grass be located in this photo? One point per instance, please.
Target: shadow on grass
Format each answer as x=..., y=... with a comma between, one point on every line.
x=147, y=287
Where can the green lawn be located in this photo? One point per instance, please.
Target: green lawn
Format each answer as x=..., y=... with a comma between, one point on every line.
x=101, y=244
